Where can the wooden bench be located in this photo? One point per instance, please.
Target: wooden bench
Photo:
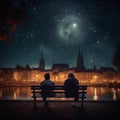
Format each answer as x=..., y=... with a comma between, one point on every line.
x=59, y=93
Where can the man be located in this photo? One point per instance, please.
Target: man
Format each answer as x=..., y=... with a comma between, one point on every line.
x=47, y=88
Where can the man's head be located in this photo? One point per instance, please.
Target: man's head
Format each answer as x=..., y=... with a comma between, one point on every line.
x=47, y=76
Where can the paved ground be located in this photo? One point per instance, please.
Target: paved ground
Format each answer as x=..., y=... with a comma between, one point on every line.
x=23, y=110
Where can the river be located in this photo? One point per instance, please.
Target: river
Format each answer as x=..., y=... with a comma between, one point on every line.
x=93, y=93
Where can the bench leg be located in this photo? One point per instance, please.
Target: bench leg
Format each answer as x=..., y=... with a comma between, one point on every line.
x=82, y=105
x=34, y=102
x=45, y=101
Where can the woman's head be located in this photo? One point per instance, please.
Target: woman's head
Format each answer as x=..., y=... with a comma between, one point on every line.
x=71, y=76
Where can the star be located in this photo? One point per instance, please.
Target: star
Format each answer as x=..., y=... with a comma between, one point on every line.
x=74, y=25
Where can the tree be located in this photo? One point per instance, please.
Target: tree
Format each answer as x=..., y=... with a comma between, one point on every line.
x=116, y=59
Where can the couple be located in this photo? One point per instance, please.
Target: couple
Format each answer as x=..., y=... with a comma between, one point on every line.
x=70, y=87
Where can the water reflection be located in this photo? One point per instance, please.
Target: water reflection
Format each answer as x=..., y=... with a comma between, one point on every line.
x=114, y=95
x=15, y=93
x=93, y=93
x=14, y=96
x=0, y=94
x=95, y=97
x=103, y=93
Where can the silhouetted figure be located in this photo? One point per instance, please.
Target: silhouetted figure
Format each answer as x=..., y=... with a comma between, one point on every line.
x=47, y=88
x=71, y=88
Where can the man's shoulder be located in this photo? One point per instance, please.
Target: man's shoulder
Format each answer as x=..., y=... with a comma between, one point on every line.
x=51, y=81
x=42, y=81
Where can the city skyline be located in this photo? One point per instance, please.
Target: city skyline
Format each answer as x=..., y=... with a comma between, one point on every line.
x=58, y=28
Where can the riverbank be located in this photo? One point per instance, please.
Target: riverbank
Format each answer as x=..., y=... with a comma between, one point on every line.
x=23, y=110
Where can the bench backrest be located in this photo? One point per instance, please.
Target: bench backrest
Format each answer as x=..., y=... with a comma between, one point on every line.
x=59, y=89
x=56, y=87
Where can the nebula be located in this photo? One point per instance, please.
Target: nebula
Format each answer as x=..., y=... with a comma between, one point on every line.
x=69, y=28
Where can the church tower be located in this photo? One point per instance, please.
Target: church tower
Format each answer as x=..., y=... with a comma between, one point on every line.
x=80, y=61
x=42, y=62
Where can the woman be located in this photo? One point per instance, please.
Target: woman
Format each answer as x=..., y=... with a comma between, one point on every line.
x=71, y=88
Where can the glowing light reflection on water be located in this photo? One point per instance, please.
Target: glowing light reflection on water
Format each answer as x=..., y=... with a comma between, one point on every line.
x=93, y=93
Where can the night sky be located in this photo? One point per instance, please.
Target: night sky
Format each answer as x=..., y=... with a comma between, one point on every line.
x=59, y=28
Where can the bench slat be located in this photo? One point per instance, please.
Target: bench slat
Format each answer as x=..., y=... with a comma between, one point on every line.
x=57, y=92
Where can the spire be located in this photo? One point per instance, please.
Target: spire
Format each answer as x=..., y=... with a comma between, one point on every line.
x=42, y=62
x=79, y=55
x=80, y=62
x=82, y=59
x=42, y=55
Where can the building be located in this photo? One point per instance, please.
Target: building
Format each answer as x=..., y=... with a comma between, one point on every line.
x=59, y=72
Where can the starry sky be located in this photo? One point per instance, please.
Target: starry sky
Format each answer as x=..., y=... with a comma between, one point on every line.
x=58, y=28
